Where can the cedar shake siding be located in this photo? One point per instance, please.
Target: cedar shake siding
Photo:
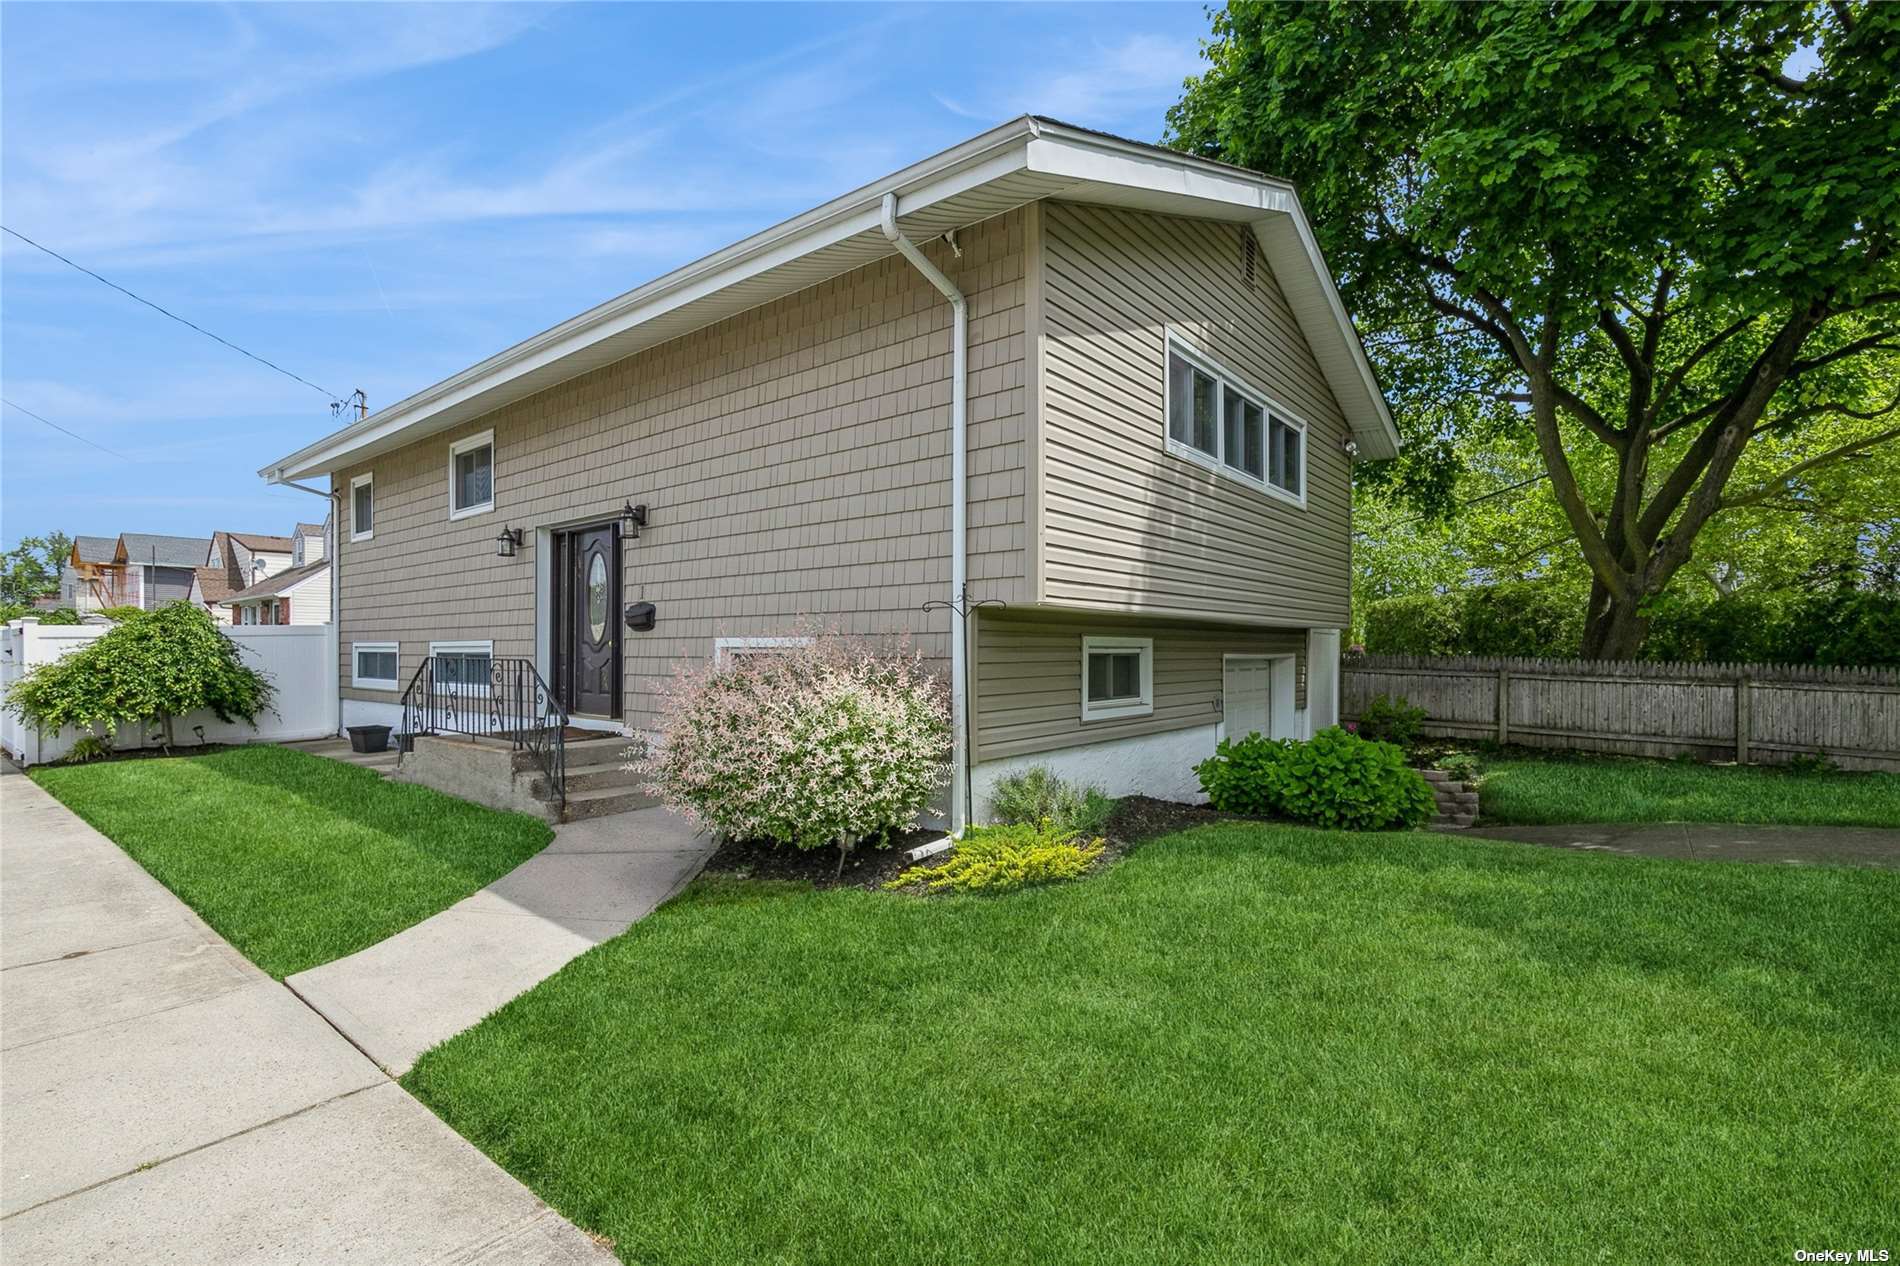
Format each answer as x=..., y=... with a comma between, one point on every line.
x=1128, y=525
x=1028, y=674
x=795, y=460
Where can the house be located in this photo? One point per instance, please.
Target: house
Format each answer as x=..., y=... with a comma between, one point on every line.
x=154, y=570
x=1078, y=413
x=91, y=578
x=307, y=542
x=297, y=595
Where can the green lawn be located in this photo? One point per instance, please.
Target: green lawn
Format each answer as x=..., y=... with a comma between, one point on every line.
x=1240, y=1044
x=1611, y=789
x=294, y=859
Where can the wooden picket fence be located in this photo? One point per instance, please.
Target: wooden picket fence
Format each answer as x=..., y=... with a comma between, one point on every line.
x=1749, y=713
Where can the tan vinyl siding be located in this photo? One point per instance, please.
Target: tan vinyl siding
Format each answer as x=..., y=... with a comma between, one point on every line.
x=795, y=459
x=1028, y=677
x=1128, y=525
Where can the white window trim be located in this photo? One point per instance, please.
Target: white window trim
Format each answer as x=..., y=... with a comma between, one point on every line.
x=1121, y=708
x=361, y=481
x=459, y=648
x=375, y=683
x=724, y=647
x=1179, y=345
x=456, y=450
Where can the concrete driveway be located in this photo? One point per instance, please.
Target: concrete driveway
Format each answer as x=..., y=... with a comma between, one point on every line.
x=162, y=1100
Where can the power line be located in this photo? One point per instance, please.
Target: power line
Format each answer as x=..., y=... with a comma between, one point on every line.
x=334, y=398
x=63, y=431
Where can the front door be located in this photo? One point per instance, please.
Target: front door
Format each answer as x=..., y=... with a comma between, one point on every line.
x=587, y=620
x=1246, y=695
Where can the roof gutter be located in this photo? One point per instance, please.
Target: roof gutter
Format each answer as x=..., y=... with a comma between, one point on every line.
x=959, y=442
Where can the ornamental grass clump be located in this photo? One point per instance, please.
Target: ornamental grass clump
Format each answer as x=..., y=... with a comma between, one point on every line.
x=1003, y=858
x=827, y=744
x=151, y=667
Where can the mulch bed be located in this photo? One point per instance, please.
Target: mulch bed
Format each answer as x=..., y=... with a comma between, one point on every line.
x=1135, y=819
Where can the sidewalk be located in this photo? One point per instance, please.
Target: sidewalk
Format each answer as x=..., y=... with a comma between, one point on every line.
x=1705, y=842
x=164, y=1100
x=427, y=983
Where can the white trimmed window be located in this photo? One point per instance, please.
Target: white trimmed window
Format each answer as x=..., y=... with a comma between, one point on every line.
x=1118, y=677
x=728, y=649
x=472, y=475
x=462, y=665
x=1216, y=420
x=374, y=665
x=363, y=507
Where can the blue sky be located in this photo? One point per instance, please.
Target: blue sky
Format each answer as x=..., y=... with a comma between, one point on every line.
x=377, y=196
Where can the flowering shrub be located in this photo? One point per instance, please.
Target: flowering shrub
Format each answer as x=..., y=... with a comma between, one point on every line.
x=829, y=743
x=1002, y=858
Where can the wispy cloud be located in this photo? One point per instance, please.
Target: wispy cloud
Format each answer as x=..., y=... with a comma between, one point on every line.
x=1102, y=85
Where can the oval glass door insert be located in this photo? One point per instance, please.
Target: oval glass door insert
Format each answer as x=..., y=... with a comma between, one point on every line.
x=596, y=599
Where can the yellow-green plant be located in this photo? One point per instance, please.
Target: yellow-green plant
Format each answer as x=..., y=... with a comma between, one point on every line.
x=1004, y=858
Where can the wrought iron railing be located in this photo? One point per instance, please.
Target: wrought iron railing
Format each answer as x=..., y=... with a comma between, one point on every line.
x=451, y=694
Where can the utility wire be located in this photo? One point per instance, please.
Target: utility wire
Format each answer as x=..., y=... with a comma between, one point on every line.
x=334, y=398
x=63, y=431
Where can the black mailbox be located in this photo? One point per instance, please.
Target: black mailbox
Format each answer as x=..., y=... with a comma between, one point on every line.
x=640, y=617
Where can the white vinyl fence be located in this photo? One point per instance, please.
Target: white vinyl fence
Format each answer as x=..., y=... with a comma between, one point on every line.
x=298, y=659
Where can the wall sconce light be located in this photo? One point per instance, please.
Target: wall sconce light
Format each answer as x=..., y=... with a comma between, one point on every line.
x=1352, y=448
x=632, y=519
x=508, y=542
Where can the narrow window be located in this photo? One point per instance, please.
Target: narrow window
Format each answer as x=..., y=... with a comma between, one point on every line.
x=1193, y=405
x=1286, y=470
x=362, y=508
x=374, y=665
x=1117, y=677
x=472, y=475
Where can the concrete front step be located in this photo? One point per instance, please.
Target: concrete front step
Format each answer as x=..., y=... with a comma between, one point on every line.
x=594, y=777
x=609, y=749
x=601, y=801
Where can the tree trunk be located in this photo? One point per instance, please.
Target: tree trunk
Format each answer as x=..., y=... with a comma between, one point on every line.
x=1615, y=629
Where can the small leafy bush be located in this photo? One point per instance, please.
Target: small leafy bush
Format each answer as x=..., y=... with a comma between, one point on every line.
x=89, y=748
x=822, y=745
x=151, y=668
x=1038, y=795
x=1385, y=719
x=1004, y=858
x=11, y=611
x=1811, y=764
x=1463, y=766
x=1333, y=779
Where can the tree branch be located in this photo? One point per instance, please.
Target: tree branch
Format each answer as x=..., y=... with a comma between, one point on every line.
x=1776, y=484
x=1872, y=342
x=1681, y=371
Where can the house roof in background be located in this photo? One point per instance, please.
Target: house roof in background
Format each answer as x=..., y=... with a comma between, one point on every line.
x=213, y=584
x=95, y=549
x=282, y=582
x=164, y=551
x=256, y=541
x=308, y=529
x=1022, y=161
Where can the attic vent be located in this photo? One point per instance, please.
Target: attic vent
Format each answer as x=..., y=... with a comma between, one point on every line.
x=1248, y=249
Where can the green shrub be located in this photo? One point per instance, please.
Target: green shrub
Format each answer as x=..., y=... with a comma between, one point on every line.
x=1004, y=858
x=1333, y=779
x=1418, y=624
x=1242, y=775
x=1038, y=795
x=1812, y=764
x=116, y=614
x=1465, y=767
x=11, y=611
x=89, y=748
x=150, y=668
x=1388, y=720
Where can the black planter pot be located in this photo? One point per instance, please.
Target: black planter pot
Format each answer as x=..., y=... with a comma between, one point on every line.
x=369, y=738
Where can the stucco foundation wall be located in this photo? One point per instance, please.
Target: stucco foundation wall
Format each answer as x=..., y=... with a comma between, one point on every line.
x=1159, y=765
x=795, y=459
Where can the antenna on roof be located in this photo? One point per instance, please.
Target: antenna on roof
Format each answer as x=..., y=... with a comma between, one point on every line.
x=357, y=399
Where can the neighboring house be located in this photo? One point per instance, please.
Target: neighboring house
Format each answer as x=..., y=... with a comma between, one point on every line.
x=91, y=578
x=1158, y=411
x=299, y=595
x=155, y=570
x=307, y=543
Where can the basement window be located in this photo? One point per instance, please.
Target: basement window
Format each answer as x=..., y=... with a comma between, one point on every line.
x=1117, y=677
x=462, y=666
x=373, y=665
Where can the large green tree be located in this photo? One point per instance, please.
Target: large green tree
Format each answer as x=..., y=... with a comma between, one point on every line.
x=1655, y=241
x=31, y=569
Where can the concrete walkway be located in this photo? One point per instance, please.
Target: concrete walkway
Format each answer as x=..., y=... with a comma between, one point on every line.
x=1698, y=841
x=165, y=1101
x=398, y=998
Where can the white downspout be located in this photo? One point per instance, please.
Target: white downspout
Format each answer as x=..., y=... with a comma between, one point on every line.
x=959, y=399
